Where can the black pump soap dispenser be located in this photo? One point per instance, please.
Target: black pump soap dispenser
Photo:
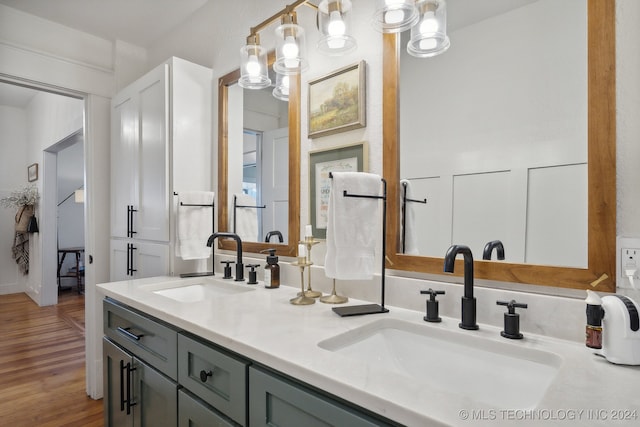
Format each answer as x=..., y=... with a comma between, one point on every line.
x=271, y=270
x=511, y=319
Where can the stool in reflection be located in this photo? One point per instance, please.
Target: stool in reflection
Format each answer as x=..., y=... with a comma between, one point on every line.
x=76, y=272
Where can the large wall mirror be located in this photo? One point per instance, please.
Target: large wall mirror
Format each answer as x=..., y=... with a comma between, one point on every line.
x=258, y=166
x=509, y=135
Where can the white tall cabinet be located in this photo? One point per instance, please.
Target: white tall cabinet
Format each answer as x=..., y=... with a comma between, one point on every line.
x=160, y=145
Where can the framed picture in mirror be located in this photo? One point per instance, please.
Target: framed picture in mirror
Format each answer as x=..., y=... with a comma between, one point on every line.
x=337, y=101
x=345, y=158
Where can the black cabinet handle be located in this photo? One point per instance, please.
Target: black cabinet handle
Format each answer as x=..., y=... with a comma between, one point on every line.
x=130, y=249
x=126, y=332
x=123, y=367
x=204, y=375
x=129, y=401
x=130, y=211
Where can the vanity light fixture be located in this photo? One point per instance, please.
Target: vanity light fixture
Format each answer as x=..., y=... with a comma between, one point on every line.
x=253, y=65
x=429, y=36
x=395, y=16
x=426, y=18
x=281, y=90
x=334, y=23
x=290, y=50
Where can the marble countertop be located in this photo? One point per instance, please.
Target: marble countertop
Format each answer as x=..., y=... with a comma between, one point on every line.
x=262, y=325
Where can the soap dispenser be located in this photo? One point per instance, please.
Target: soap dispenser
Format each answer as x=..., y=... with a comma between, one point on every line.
x=271, y=270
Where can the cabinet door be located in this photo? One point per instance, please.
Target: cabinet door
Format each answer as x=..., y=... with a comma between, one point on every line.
x=156, y=398
x=276, y=401
x=150, y=259
x=152, y=216
x=124, y=160
x=192, y=412
x=116, y=376
x=133, y=259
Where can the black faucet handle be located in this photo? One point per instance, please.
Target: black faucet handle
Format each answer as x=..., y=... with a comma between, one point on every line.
x=432, y=294
x=432, y=305
x=512, y=305
x=253, y=278
x=227, y=269
x=511, y=319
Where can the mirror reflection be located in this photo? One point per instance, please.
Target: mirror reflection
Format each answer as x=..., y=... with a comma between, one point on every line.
x=259, y=149
x=258, y=165
x=493, y=133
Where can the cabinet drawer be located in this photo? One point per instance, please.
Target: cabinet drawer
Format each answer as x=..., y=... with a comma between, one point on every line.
x=150, y=340
x=192, y=412
x=216, y=377
x=276, y=401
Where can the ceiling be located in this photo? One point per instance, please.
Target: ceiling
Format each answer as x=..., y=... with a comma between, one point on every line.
x=140, y=22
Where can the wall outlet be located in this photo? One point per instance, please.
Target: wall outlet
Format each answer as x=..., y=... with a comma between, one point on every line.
x=628, y=258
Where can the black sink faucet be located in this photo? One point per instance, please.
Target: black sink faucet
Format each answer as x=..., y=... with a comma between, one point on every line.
x=239, y=265
x=468, y=300
x=490, y=246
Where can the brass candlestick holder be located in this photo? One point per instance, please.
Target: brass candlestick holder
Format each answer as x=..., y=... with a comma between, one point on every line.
x=334, y=298
x=309, y=242
x=302, y=298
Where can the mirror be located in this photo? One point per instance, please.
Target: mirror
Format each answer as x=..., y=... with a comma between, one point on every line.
x=598, y=270
x=242, y=142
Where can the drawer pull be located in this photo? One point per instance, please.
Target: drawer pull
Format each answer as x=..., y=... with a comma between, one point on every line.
x=204, y=375
x=129, y=334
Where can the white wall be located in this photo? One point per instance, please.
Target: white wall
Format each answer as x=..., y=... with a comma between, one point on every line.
x=13, y=176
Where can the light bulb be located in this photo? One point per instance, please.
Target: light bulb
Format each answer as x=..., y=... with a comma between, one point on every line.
x=253, y=66
x=285, y=85
x=429, y=24
x=428, y=44
x=336, y=25
x=290, y=48
x=336, y=42
x=393, y=16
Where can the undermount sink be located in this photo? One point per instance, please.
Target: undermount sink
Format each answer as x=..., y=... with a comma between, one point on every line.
x=504, y=375
x=190, y=290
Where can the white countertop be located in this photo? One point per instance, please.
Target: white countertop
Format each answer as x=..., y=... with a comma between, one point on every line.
x=263, y=326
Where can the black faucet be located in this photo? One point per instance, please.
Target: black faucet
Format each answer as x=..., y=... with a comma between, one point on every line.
x=468, y=300
x=274, y=233
x=490, y=246
x=239, y=265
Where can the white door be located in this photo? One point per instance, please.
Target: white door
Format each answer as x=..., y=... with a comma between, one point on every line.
x=275, y=181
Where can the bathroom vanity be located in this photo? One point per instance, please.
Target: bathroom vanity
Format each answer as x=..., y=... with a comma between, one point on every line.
x=236, y=354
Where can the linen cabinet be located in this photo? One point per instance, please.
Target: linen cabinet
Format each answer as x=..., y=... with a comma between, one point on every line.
x=160, y=145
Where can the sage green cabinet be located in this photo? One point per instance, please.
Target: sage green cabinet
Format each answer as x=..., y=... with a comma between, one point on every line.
x=214, y=375
x=192, y=412
x=279, y=402
x=136, y=394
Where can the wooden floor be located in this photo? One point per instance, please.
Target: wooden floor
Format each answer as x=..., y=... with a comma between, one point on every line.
x=42, y=364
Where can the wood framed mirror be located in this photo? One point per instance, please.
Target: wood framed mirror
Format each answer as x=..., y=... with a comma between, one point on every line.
x=600, y=271
x=225, y=212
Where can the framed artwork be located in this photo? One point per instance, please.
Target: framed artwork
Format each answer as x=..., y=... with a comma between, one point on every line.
x=337, y=101
x=32, y=172
x=346, y=158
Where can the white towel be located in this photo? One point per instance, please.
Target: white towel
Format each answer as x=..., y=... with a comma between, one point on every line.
x=352, y=226
x=194, y=224
x=246, y=218
x=409, y=233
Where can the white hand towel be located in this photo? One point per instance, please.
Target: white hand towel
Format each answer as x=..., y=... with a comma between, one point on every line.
x=352, y=226
x=194, y=224
x=247, y=218
x=409, y=232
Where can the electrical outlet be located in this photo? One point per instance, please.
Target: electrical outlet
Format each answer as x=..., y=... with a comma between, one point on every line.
x=628, y=258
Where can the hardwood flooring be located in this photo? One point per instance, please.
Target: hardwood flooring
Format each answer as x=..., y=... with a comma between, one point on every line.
x=42, y=364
